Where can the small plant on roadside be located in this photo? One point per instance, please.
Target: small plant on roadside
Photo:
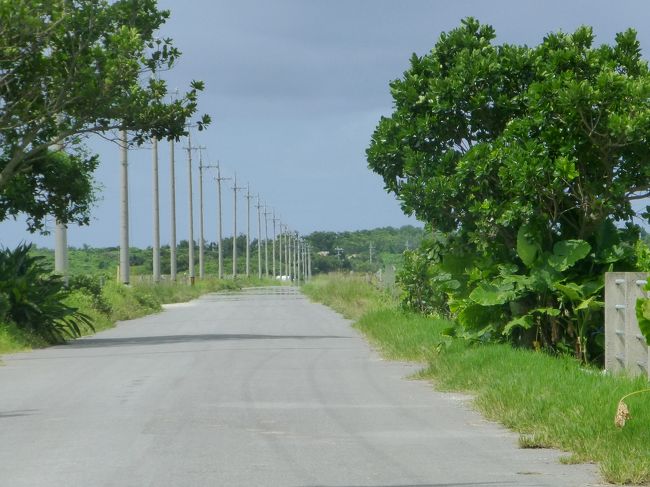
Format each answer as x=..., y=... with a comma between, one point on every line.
x=623, y=410
x=91, y=285
x=34, y=297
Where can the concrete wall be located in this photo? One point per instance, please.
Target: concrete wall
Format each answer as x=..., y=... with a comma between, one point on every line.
x=625, y=346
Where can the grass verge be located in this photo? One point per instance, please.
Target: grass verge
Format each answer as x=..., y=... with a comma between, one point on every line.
x=115, y=302
x=550, y=401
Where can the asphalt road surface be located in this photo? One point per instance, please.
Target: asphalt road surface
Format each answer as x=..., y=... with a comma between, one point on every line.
x=260, y=388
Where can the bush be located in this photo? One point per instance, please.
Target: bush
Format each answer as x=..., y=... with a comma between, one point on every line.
x=34, y=299
x=92, y=286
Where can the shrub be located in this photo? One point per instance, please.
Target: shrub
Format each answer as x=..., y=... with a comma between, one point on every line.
x=92, y=286
x=36, y=297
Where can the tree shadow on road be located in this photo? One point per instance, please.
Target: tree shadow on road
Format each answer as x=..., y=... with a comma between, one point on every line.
x=173, y=339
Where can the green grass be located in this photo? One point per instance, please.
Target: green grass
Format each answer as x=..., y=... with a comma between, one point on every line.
x=352, y=297
x=551, y=401
x=14, y=339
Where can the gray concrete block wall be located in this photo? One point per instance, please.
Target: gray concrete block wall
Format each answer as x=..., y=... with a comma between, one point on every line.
x=625, y=346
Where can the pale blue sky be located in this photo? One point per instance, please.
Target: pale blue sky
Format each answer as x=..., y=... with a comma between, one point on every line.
x=295, y=89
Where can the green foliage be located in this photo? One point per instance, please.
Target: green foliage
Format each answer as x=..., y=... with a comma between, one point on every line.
x=642, y=256
x=34, y=298
x=70, y=69
x=388, y=245
x=422, y=287
x=92, y=286
x=129, y=302
x=643, y=314
x=526, y=160
x=16, y=339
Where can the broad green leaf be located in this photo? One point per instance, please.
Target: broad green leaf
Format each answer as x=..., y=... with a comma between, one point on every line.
x=477, y=317
x=590, y=303
x=450, y=285
x=571, y=290
x=524, y=322
x=611, y=254
x=547, y=311
x=568, y=252
x=487, y=294
x=543, y=278
x=522, y=282
x=606, y=236
x=593, y=286
x=643, y=317
x=528, y=247
x=455, y=264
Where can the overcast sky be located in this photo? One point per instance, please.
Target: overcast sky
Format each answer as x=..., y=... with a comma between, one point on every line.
x=295, y=89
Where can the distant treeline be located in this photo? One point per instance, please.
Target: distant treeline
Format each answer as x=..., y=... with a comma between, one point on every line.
x=351, y=250
x=353, y=253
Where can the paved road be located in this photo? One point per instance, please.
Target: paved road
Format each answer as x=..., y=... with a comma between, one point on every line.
x=260, y=388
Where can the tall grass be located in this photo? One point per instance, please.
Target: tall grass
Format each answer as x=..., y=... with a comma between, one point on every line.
x=350, y=296
x=15, y=339
x=550, y=401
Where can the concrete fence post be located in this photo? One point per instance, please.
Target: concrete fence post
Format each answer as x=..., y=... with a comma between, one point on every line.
x=625, y=347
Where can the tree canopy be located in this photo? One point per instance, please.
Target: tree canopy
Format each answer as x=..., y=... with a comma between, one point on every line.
x=70, y=68
x=525, y=161
x=487, y=137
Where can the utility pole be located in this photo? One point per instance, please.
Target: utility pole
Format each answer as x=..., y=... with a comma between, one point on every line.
x=191, y=239
x=309, y=261
x=156, y=211
x=266, y=240
x=296, y=266
x=124, y=206
x=248, y=229
x=172, y=190
x=61, y=250
x=259, y=237
x=201, y=225
x=371, y=249
x=292, y=256
x=299, y=257
x=338, y=251
x=275, y=220
x=61, y=241
x=287, y=246
x=218, y=179
x=280, y=249
x=235, y=188
x=301, y=261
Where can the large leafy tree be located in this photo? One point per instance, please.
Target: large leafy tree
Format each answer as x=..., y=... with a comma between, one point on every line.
x=527, y=160
x=486, y=137
x=70, y=68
